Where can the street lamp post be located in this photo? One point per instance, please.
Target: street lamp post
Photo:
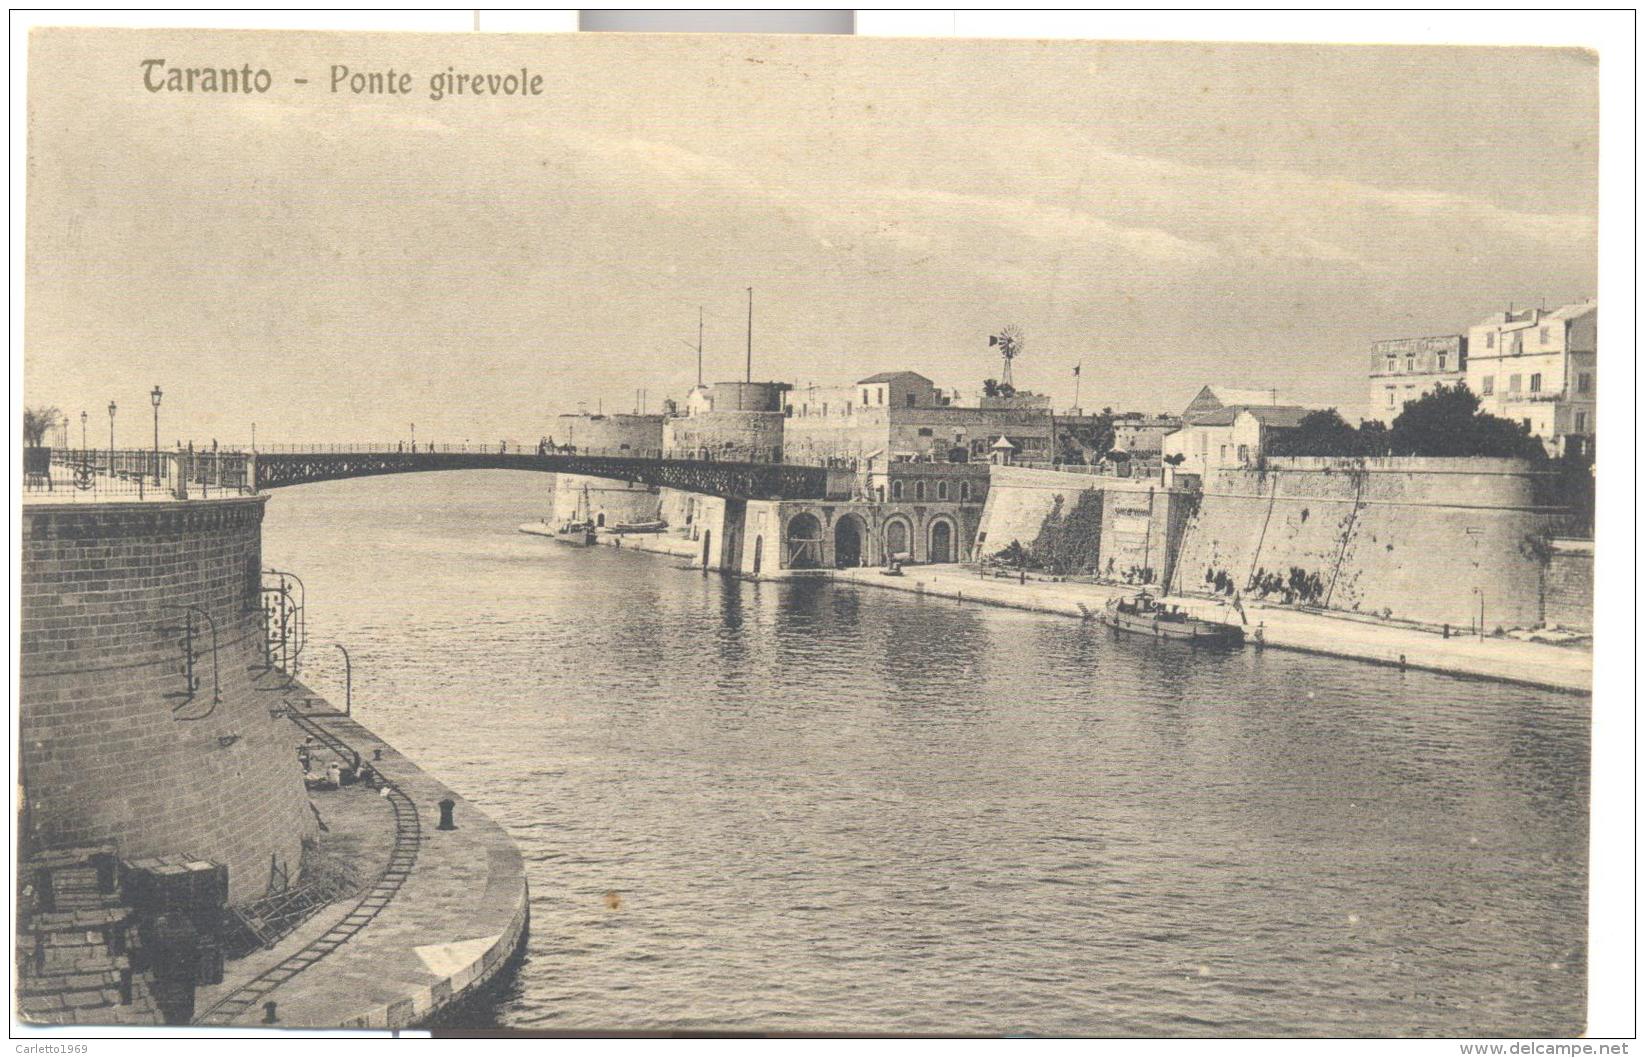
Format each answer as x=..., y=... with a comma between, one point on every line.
x=83, y=417
x=111, y=438
x=155, y=395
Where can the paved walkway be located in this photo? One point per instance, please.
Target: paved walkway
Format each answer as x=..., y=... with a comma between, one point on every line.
x=448, y=929
x=1537, y=664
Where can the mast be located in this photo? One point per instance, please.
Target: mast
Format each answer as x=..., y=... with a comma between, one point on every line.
x=748, y=372
x=699, y=347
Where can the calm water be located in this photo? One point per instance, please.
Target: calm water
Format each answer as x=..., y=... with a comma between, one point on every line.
x=837, y=809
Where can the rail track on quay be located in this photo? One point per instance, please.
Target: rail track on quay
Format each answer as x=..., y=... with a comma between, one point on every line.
x=408, y=838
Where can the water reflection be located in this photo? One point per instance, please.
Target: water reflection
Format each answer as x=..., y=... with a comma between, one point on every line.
x=843, y=809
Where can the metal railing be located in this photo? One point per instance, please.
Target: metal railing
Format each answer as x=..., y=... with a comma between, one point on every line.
x=69, y=474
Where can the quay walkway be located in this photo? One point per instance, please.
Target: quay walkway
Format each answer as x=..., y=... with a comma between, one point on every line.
x=1357, y=637
x=1559, y=668
x=441, y=914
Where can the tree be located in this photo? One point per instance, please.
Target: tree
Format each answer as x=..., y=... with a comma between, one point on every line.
x=1321, y=433
x=1446, y=421
x=36, y=423
x=990, y=387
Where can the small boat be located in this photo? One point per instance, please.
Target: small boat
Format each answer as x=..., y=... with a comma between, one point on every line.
x=579, y=530
x=640, y=527
x=1145, y=615
x=579, y=533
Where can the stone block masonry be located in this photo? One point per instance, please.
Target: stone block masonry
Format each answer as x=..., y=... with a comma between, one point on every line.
x=116, y=745
x=1427, y=540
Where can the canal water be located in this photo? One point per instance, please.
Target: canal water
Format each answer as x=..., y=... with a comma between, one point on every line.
x=793, y=807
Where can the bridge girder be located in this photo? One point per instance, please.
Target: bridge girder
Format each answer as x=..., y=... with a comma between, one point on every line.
x=746, y=481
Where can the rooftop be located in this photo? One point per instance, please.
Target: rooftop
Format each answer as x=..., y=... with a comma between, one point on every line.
x=1284, y=416
x=891, y=376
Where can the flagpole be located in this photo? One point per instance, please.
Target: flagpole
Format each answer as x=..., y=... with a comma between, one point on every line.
x=1077, y=409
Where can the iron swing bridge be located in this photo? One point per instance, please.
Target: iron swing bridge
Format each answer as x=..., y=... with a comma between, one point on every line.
x=250, y=472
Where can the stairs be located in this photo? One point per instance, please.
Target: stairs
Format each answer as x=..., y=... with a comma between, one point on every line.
x=76, y=939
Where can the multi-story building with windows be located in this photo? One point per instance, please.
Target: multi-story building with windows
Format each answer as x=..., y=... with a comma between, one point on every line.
x=1538, y=369
x=1403, y=369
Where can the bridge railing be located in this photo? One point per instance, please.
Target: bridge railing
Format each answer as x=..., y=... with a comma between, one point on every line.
x=69, y=474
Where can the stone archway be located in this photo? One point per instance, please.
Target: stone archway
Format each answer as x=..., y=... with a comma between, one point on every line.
x=899, y=538
x=941, y=541
x=805, y=541
x=849, y=537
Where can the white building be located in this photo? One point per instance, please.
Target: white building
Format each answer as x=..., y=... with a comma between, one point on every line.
x=1236, y=436
x=1537, y=368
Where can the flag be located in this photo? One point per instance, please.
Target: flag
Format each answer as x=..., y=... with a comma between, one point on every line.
x=993, y=340
x=1076, y=369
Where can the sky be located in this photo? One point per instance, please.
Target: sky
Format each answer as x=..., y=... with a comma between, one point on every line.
x=335, y=267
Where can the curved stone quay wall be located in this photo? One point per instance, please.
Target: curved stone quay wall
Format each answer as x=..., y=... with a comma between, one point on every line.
x=606, y=501
x=115, y=746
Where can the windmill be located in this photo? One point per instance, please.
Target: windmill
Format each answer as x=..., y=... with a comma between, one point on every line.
x=1009, y=341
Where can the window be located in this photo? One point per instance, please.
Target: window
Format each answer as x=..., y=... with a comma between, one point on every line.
x=965, y=491
x=825, y=409
x=896, y=490
x=879, y=395
x=1224, y=455
x=1244, y=453
x=1393, y=364
x=910, y=399
x=1542, y=336
x=919, y=490
x=1584, y=382
x=1513, y=383
x=1581, y=422
x=1487, y=385
x=1490, y=340
x=942, y=490
x=1536, y=382
x=788, y=411
x=865, y=398
x=925, y=431
x=880, y=492
x=1410, y=362
x=1391, y=396
x=1440, y=360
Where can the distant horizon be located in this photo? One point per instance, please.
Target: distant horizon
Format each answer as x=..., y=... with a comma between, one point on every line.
x=334, y=267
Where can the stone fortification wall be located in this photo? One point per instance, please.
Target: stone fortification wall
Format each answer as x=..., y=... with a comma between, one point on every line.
x=615, y=433
x=1019, y=498
x=606, y=501
x=1568, y=586
x=114, y=745
x=1420, y=539
x=740, y=435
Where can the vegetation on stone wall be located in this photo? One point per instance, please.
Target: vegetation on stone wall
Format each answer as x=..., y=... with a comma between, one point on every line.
x=1066, y=543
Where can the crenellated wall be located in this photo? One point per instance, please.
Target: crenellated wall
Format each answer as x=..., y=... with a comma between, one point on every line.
x=114, y=745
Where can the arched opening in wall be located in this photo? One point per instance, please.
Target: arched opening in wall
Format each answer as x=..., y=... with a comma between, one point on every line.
x=759, y=548
x=599, y=520
x=805, y=542
x=848, y=538
x=919, y=491
x=896, y=490
x=897, y=536
x=708, y=538
x=942, y=541
x=942, y=490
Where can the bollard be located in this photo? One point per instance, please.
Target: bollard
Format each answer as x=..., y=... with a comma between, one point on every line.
x=447, y=805
x=269, y=1016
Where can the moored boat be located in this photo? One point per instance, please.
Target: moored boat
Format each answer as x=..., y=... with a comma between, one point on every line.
x=1142, y=614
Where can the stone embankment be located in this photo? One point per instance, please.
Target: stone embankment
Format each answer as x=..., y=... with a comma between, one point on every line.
x=1559, y=668
x=447, y=912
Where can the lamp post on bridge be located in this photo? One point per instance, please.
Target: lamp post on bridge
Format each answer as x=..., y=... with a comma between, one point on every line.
x=111, y=438
x=155, y=395
x=83, y=417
